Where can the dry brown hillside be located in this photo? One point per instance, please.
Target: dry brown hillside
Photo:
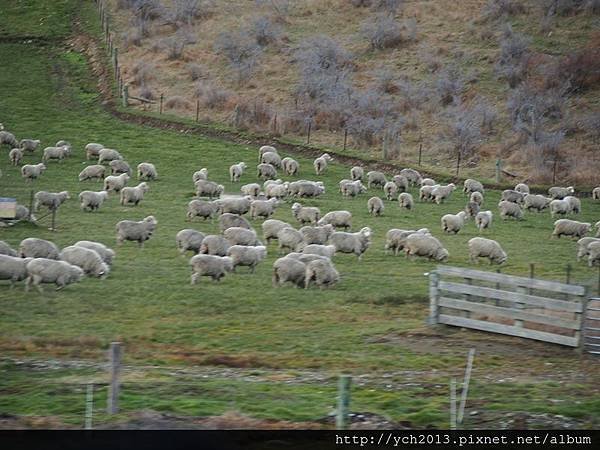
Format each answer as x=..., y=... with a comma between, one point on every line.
x=479, y=79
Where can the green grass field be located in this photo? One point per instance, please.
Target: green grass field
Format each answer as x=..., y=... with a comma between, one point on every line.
x=47, y=92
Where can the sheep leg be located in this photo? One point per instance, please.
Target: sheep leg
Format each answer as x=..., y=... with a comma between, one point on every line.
x=194, y=278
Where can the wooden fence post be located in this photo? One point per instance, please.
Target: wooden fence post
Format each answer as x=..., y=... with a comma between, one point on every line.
x=161, y=104
x=465, y=387
x=498, y=169
x=125, y=95
x=458, y=163
x=345, y=137
x=568, y=273
x=116, y=61
x=89, y=406
x=453, y=404
x=308, y=133
x=343, y=402
x=420, y=151
x=112, y=404
x=434, y=279
x=197, y=109
x=30, y=205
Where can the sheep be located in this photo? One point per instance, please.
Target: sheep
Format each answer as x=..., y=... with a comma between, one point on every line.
x=51, y=200
x=201, y=174
x=322, y=272
x=61, y=273
x=593, y=250
x=271, y=227
x=95, y=171
x=559, y=207
x=235, y=205
x=129, y=230
x=242, y=255
x=241, y=236
x=522, y=188
x=252, y=189
x=146, y=171
x=59, y=153
x=320, y=163
x=214, y=244
x=32, y=171
x=6, y=249
x=597, y=226
x=375, y=178
x=266, y=171
x=356, y=243
x=15, y=156
x=574, y=204
x=405, y=200
x=486, y=248
x=92, y=200
x=483, y=220
x=442, y=193
x=357, y=173
x=472, y=209
x=536, y=202
x=582, y=246
x=395, y=239
x=290, y=238
x=426, y=191
x=119, y=166
x=271, y=158
x=38, y=248
x=108, y=154
x=375, y=206
x=316, y=235
x=189, y=239
x=305, y=257
x=512, y=196
x=92, y=150
x=66, y=144
x=453, y=223
x=105, y=253
x=390, y=190
x=22, y=213
x=8, y=138
x=424, y=245
x=228, y=220
x=134, y=194
x=306, y=214
x=401, y=182
x=288, y=269
x=596, y=193
x=558, y=193
x=210, y=266
x=13, y=268
x=413, y=176
x=210, y=189
x=317, y=249
x=471, y=186
x=236, y=171
x=265, y=149
x=477, y=197
x=567, y=227
x=202, y=208
x=290, y=166
x=428, y=182
x=339, y=219
x=306, y=189
x=29, y=145
x=263, y=208
x=277, y=191
x=352, y=188
x=88, y=260
x=510, y=209
x=115, y=183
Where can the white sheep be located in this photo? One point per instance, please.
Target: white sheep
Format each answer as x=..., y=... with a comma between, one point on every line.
x=92, y=200
x=322, y=250
x=357, y=243
x=428, y=182
x=597, y=226
x=320, y=163
x=510, y=209
x=453, y=223
x=375, y=206
x=472, y=209
x=242, y=255
x=105, y=253
x=352, y=188
x=146, y=171
x=15, y=156
x=266, y=171
x=134, y=194
x=32, y=171
x=483, y=220
x=92, y=150
x=322, y=272
x=271, y=158
x=108, y=154
x=59, y=153
x=114, y=183
x=213, y=244
x=201, y=174
x=557, y=192
x=263, y=208
x=277, y=191
x=129, y=230
x=471, y=185
x=189, y=239
x=13, y=268
x=235, y=205
x=486, y=248
x=560, y=207
x=202, y=208
x=442, y=193
x=401, y=181
x=357, y=173
x=405, y=200
x=252, y=189
x=593, y=250
x=228, y=220
x=390, y=190
x=375, y=178
x=210, y=266
x=95, y=171
x=236, y=171
x=88, y=260
x=210, y=189
x=241, y=236
x=596, y=193
x=536, y=202
x=265, y=149
x=426, y=191
x=339, y=219
x=271, y=227
x=8, y=138
x=477, y=197
x=306, y=214
x=424, y=245
x=305, y=257
x=290, y=239
x=574, y=203
x=513, y=196
x=290, y=166
x=119, y=166
x=50, y=200
x=306, y=189
x=522, y=188
x=582, y=246
x=288, y=270
x=395, y=239
x=60, y=273
x=316, y=235
x=29, y=145
x=567, y=227
x=413, y=176
x=6, y=249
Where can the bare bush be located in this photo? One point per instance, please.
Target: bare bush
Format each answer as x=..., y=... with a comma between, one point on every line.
x=177, y=102
x=496, y=9
x=131, y=38
x=412, y=95
x=185, y=12
x=280, y=8
x=543, y=154
x=383, y=31
x=486, y=114
x=250, y=114
x=581, y=68
x=570, y=7
x=514, y=53
x=147, y=93
x=196, y=71
x=265, y=31
x=241, y=51
x=211, y=96
x=175, y=45
x=591, y=124
x=388, y=6
x=462, y=134
x=143, y=72
x=449, y=85
x=385, y=81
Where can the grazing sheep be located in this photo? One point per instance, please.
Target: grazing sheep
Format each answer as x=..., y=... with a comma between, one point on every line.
x=129, y=230
x=593, y=250
x=477, y=197
x=88, y=260
x=271, y=227
x=242, y=255
x=471, y=186
x=146, y=171
x=582, y=246
x=486, y=248
x=322, y=272
x=316, y=235
x=574, y=204
x=214, y=244
x=413, y=176
x=6, y=249
x=453, y=223
x=236, y=171
x=290, y=239
x=105, y=253
x=252, y=189
x=92, y=200
x=536, y=202
x=108, y=154
x=352, y=188
x=306, y=214
x=472, y=209
x=263, y=208
x=38, y=248
x=266, y=171
x=51, y=200
x=320, y=164
x=405, y=200
x=210, y=266
x=32, y=171
x=512, y=196
x=306, y=189
x=560, y=207
x=428, y=182
x=356, y=243
x=235, y=205
x=596, y=193
x=189, y=239
x=15, y=156
x=66, y=144
x=375, y=206
x=228, y=220
x=202, y=208
x=119, y=166
x=401, y=182
x=483, y=220
x=390, y=190
x=339, y=219
x=29, y=145
x=424, y=245
x=395, y=239
x=288, y=269
x=13, y=268
x=357, y=173
x=210, y=189
x=559, y=193
x=59, y=153
x=425, y=192
x=241, y=236
x=375, y=178
x=8, y=138
x=442, y=193
x=522, y=188
x=277, y=191
x=290, y=166
x=115, y=183
x=22, y=213
x=597, y=226
x=134, y=194
x=265, y=149
x=61, y=273
x=317, y=249
x=510, y=209
x=305, y=257
x=201, y=174
x=567, y=227
x=92, y=172
x=271, y=158
x=92, y=150
x=342, y=184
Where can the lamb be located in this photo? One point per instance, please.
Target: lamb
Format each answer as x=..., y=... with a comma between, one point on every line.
x=536, y=202
x=119, y=166
x=582, y=246
x=512, y=196
x=483, y=220
x=29, y=145
x=405, y=200
x=322, y=272
x=146, y=171
x=241, y=236
x=92, y=200
x=271, y=158
x=317, y=249
x=471, y=186
x=265, y=149
x=593, y=253
x=486, y=248
x=428, y=182
x=390, y=189
x=88, y=260
x=236, y=171
x=290, y=239
x=214, y=244
x=560, y=207
x=108, y=154
x=574, y=204
x=210, y=189
x=472, y=209
x=51, y=200
x=134, y=194
x=522, y=188
x=401, y=181
x=339, y=219
x=277, y=191
x=453, y=223
x=59, y=153
x=306, y=214
x=13, y=268
x=426, y=191
x=567, y=227
x=242, y=255
x=8, y=138
x=38, y=248
x=105, y=253
x=353, y=188
x=92, y=172
x=320, y=164
x=288, y=269
x=271, y=227
x=316, y=235
x=202, y=208
x=266, y=171
x=210, y=266
x=6, y=249
x=15, y=156
x=395, y=239
x=32, y=171
x=290, y=166
x=263, y=208
x=61, y=273
x=252, y=189
x=375, y=178
x=229, y=220
x=559, y=193
x=92, y=150
x=441, y=193
x=201, y=174
x=412, y=176
x=129, y=230
x=375, y=206
x=115, y=183
x=596, y=193
x=510, y=209
x=477, y=197
x=356, y=243
x=424, y=245
x=189, y=239
x=357, y=173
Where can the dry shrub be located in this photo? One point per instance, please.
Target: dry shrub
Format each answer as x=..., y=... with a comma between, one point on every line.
x=143, y=72
x=196, y=71
x=147, y=93
x=177, y=102
x=213, y=97
x=251, y=114
x=582, y=67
